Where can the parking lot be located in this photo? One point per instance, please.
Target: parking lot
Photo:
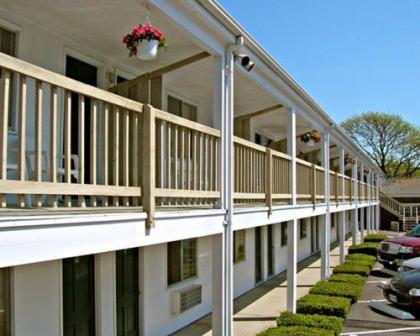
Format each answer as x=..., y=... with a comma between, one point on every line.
x=363, y=320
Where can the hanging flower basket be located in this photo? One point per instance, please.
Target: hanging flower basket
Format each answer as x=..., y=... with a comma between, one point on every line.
x=311, y=138
x=144, y=42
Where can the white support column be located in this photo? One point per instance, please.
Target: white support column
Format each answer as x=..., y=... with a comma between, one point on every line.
x=341, y=170
x=264, y=252
x=291, y=265
x=222, y=316
x=291, y=150
x=105, y=297
x=355, y=211
x=362, y=209
x=342, y=233
x=378, y=217
x=368, y=213
x=342, y=215
x=292, y=225
x=326, y=219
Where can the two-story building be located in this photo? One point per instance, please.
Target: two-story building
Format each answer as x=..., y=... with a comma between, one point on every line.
x=138, y=196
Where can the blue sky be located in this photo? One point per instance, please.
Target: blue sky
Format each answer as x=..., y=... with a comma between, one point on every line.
x=349, y=55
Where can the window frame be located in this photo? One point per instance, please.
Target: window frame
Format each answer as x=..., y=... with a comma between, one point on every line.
x=12, y=117
x=238, y=259
x=181, y=262
x=7, y=300
x=169, y=93
x=283, y=234
x=303, y=229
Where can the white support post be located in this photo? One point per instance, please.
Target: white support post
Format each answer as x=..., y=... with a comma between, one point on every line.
x=222, y=317
x=355, y=212
x=291, y=150
x=292, y=225
x=342, y=233
x=362, y=209
x=378, y=217
x=291, y=265
x=264, y=252
x=342, y=215
x=342, y=169
x=105, y=297
x=326, y=219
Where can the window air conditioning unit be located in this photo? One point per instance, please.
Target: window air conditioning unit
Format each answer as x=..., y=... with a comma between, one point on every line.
x=395, y=226
x=185, y=298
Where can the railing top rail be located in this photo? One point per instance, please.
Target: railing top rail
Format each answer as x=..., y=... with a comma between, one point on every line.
x=249, y=144
x=166, y=116
x=281, y=155
x=16, y=65
x=303, y=162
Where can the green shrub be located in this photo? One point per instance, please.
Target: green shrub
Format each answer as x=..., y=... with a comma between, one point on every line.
x=332, y=323
x=359, y=263
x=348, y=278
x=375, y=237
x=323, y=305
x=296, y=331
x=341, y=289
x=365, y=248
x=360, y=256
x=349, y=268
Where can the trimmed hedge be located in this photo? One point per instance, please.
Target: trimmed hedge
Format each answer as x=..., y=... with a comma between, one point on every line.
x=360, y=256
x=375, y=237
x=349, y=268
x=365, y=248
x=340, y=289
x=355, y=279
x=323, y=305
x=332, y=323
x=359, y=262
x=296, y=331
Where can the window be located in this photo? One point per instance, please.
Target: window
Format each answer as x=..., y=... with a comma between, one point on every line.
x=283, y=233
x=182, y=260
x=258, y=139
x=239, y=246
x=303, y=228
x=4, y=302
x=182, y=109
x=8, y=46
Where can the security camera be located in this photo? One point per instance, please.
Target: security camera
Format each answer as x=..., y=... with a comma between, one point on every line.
x=245, y=61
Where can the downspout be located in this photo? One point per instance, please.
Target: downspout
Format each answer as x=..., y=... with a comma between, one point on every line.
x=227, y=197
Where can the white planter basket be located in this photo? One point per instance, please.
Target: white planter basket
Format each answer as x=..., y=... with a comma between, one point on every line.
x=147, y=50
x=310, y=143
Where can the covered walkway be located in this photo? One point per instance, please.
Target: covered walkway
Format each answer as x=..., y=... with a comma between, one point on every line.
x=259, y=308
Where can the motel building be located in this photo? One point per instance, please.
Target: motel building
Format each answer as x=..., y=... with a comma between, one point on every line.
x=137, y=196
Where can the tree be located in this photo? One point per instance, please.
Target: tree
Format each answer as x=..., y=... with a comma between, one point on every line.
x=391, y=142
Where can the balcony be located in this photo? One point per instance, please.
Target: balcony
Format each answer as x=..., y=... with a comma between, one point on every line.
x=123, y=154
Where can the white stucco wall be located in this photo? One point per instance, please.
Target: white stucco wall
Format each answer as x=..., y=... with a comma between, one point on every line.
x=158, y=319
x=36, y=296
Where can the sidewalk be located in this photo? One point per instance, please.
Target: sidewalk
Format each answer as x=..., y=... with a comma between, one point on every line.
x=259, y=308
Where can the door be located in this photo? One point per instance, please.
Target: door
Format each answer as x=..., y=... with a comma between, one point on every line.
x=317, y=233
x=313, y=234
x=79, y=296
x=88, y=74
x=127, y=292
x=270, y=250
x=258, y=264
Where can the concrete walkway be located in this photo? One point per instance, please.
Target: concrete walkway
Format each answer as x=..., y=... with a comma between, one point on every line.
x=259, y=308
